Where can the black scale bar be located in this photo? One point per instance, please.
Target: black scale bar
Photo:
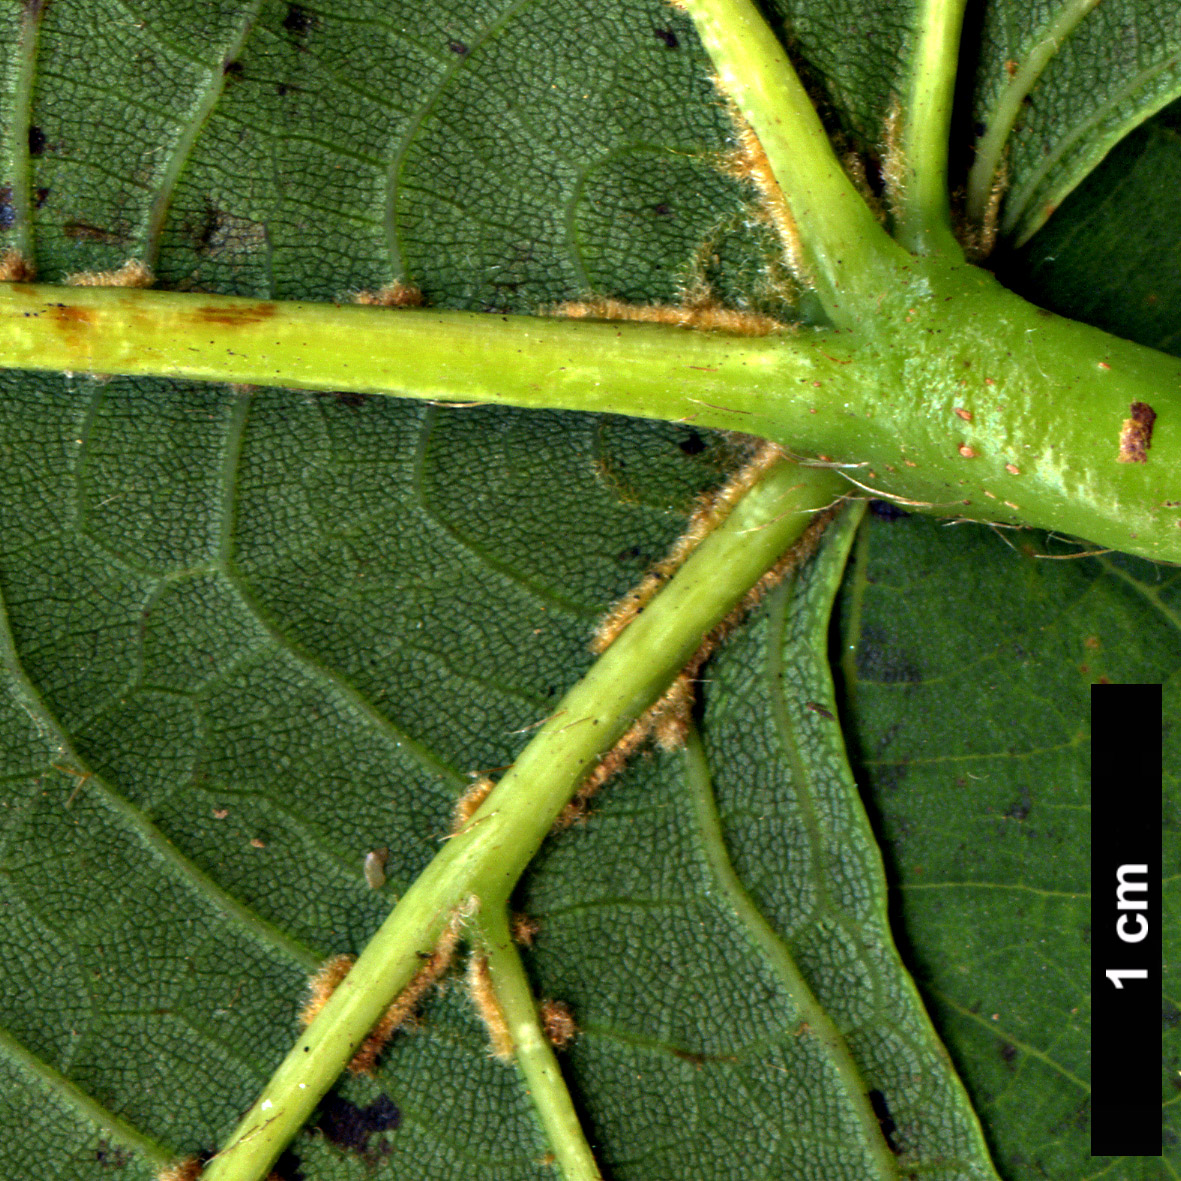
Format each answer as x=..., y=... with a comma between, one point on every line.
x=1126, y=1030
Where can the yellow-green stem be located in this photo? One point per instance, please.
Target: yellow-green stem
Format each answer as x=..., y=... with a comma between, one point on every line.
x=921, y=208
x=487, y=856
x=853, y=259
x=532, y=1053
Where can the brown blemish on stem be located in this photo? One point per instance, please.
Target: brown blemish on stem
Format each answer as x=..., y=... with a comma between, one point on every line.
x=668, y=720
x=69, y=315
x=712, y=509
x=523, y=929
x=894, y=172
x=978, y=240
x=236, y=315
x=749, y=163
x=402, y=1010
x=186, y=1170
x=469, y=802
x=190, y=1169
x=393, y=295
x=1135, y=435
x=322, y=985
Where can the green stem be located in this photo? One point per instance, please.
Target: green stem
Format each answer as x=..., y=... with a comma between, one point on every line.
x=532, y=1053
x=1009, y=103
x=488, y=855
x=922, y=210
x=646, y=370
x=854, y=259
x=958, y=395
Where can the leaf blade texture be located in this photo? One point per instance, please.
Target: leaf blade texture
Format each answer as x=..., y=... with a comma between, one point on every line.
x=251, y=637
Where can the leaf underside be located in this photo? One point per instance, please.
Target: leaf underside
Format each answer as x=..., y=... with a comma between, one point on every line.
x=248, y=637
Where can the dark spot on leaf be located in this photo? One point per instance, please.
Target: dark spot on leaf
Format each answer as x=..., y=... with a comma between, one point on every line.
x=352, y=400
x=1021, y=810
x=888, y=776
x=633, y=553
x=1045, y=313
x=885, y=1120
x=458, y=47
x=348, y=1126
x=204, y=229
x=670, y=39
x=693, y=444
x=7, y=210
x=878, y=661
x=40, y=197
x=111, y=1156
x=233, y=69
x=979, y=129
x=298, y=20
x=886, y=510
x=281, y=89
x=662, y=210
x=817, y=708
x=1170, y=1014
x=79, y=231
x=36, y=140
x=1008, y=1054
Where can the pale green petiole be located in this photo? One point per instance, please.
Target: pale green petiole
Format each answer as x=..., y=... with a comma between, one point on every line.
x=486, y=858
x=923, y=217
x=647, y=370
x=954, y=394
x=532, y=1054
x=853, y=259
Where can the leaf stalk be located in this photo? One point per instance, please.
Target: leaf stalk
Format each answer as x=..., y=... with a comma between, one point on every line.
x=923, y=214
x=957, y=397
x=853, y=259
x=485, y=858
x=532, y=1053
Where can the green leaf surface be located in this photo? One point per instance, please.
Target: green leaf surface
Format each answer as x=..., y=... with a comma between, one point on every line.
x=1059, y=83
x=1112, y=253
x=248, y=637
x=968, y=707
